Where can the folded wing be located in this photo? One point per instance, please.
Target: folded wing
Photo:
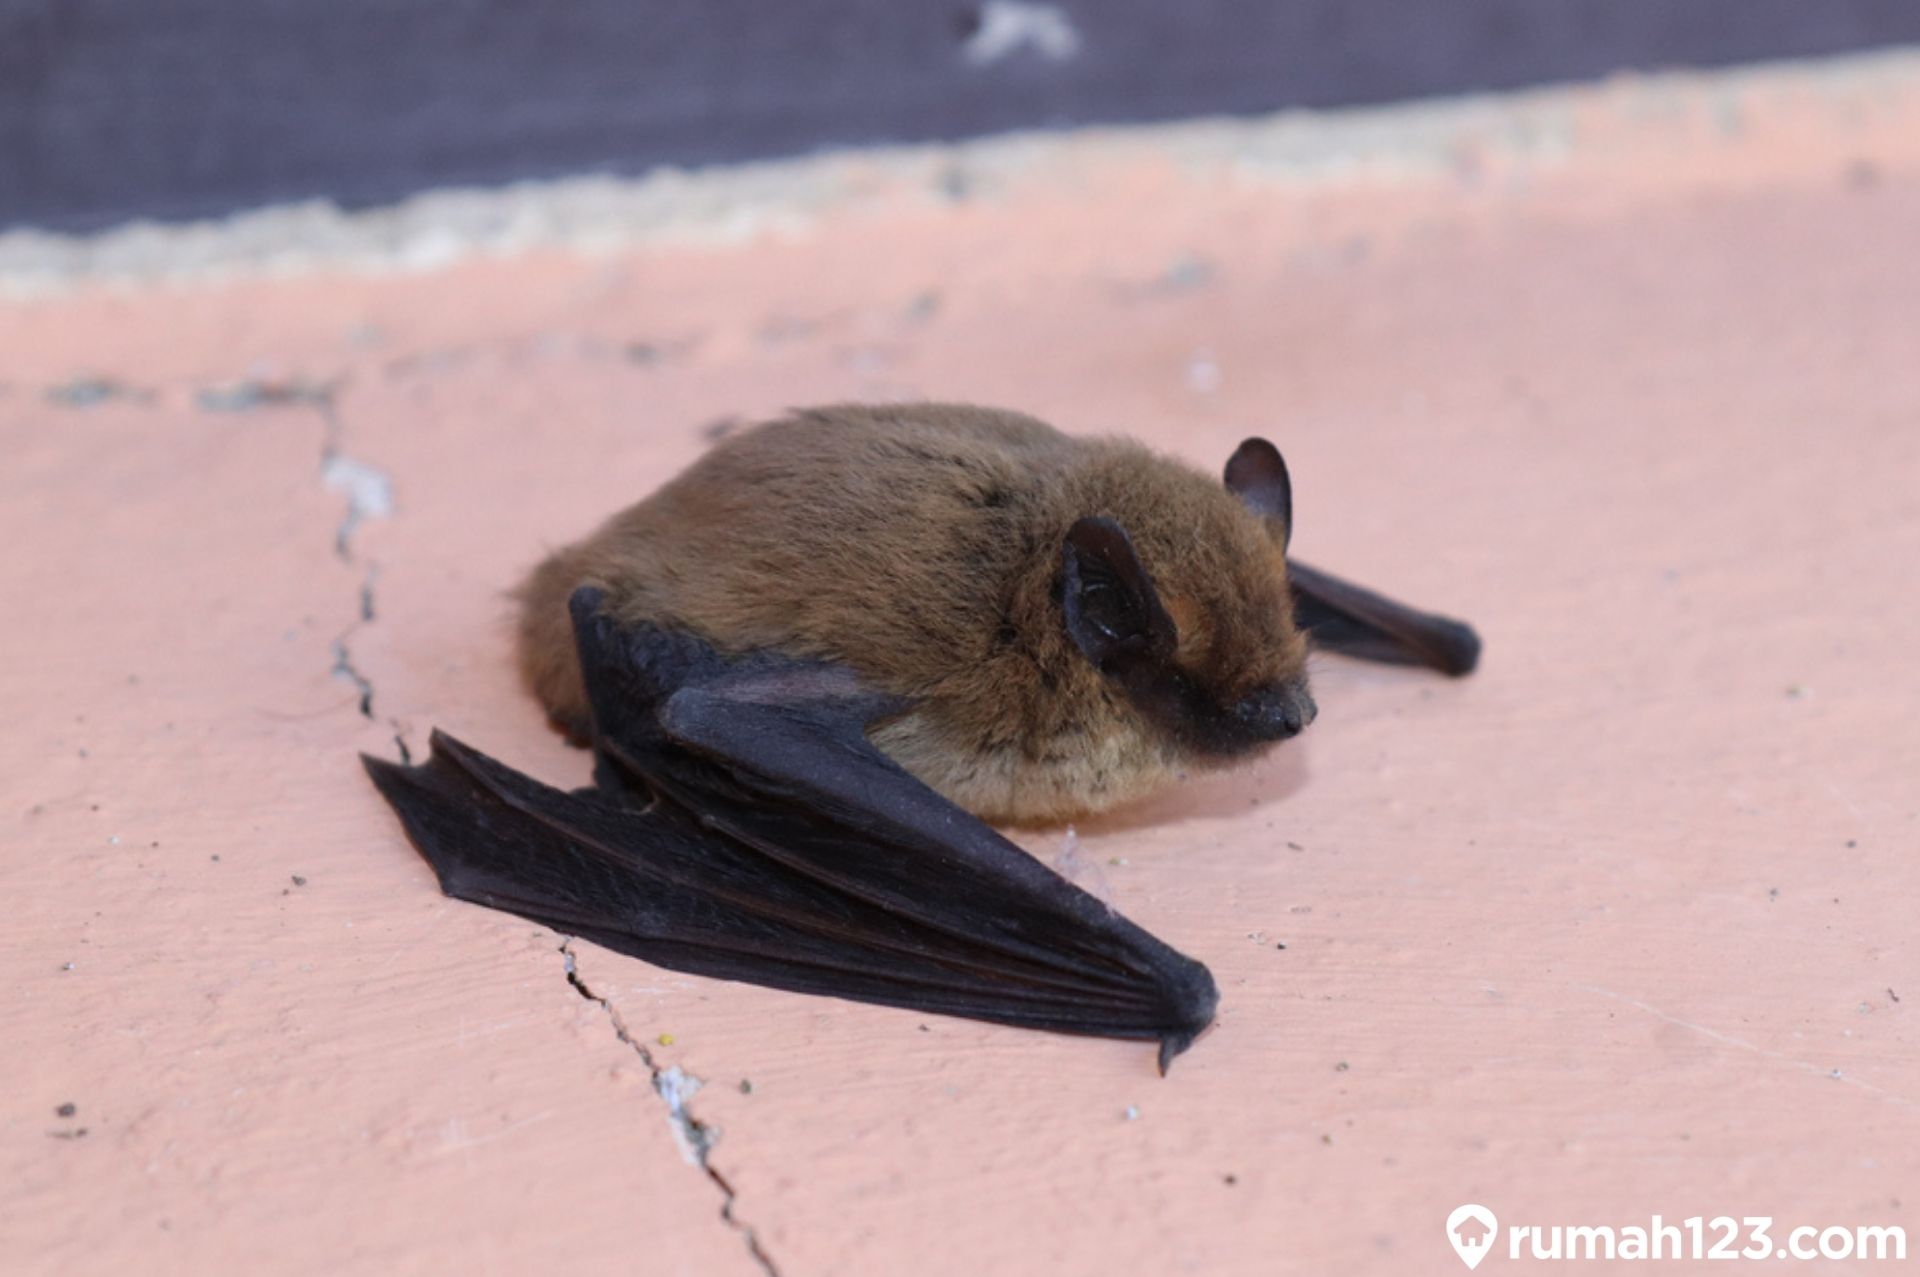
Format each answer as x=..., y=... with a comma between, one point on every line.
x=743, y=827
x=1354, y=621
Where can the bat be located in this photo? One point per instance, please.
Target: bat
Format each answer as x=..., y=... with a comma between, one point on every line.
x=816, y=663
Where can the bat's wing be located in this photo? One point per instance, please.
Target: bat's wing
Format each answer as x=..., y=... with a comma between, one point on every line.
x=745, y=828
x=1346, y=618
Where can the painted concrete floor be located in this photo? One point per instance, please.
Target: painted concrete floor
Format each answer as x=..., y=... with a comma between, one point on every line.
x=1622, y=925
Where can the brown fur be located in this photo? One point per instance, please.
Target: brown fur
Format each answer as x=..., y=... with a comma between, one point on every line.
x=921, y=545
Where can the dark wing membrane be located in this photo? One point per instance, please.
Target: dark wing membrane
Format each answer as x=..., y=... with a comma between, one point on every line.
x=1354, y=621
x=778, y=847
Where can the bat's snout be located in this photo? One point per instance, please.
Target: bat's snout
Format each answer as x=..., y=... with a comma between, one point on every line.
x=1276, y=712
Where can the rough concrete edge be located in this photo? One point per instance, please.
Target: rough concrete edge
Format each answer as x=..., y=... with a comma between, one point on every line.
x=727, y=204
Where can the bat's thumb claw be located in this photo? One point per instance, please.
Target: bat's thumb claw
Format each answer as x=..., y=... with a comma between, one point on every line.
x=1193, y=1015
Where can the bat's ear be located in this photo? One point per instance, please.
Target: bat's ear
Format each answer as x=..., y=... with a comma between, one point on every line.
x=1113, y=611
x=1257, y=474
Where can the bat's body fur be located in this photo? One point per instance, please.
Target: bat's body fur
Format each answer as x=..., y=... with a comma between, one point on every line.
x=921, y=545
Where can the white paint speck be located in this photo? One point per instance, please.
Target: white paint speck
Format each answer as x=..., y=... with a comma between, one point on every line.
x=369, y=489
x=1082, y=871
x=1203, y=373
x=676, y=1087
x=1007, y=26
x=369, y=492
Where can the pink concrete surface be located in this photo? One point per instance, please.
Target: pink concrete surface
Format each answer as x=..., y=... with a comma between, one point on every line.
x=1624, y=924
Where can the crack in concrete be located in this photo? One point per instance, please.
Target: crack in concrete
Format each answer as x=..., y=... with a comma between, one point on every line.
x=343, y=668
x=674, y=1087
x=260, y=392
x=368, y=489
x=369, y=493
x=86, y=392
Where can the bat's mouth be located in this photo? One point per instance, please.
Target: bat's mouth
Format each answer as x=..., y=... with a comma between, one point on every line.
x=1276, y=712
x=1188, y=712
x=1265, y=716
x=1268, y=715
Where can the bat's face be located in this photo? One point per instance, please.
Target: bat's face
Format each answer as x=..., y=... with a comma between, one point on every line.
x=1195, y=625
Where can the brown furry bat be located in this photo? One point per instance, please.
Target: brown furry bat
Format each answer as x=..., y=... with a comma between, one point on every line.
x=801, y=659
x=924, y=546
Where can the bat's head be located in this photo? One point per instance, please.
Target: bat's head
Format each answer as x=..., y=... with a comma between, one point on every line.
x=1177, y=595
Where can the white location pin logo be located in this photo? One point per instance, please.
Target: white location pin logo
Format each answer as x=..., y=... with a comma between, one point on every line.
x=1474, y=1248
